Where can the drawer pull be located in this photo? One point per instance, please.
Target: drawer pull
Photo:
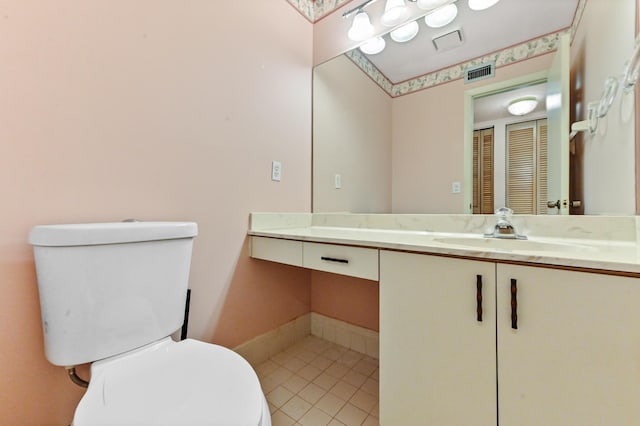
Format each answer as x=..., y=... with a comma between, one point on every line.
x=334, y=259
x=479, y=297
x=514, y=303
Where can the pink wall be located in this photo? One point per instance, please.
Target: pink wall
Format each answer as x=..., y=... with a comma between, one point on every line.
x=152, y=109
x=349, y=299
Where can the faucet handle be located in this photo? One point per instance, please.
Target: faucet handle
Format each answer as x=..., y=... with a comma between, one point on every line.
x=504, y=212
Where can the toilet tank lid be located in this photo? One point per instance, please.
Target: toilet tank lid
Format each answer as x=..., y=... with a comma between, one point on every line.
x=84, y=234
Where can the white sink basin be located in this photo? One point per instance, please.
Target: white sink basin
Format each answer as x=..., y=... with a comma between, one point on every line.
x=515, y=245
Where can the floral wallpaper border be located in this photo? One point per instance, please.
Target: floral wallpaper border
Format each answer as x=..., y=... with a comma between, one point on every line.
x=316, y=9
x=313, y=10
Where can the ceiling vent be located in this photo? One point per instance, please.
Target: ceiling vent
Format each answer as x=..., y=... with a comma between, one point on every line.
x=448, y=41
x=480, y=72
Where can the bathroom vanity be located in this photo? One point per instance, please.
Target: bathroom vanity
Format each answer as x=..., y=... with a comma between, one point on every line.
x=475, y=330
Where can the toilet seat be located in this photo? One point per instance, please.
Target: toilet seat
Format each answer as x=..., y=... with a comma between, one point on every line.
x=173, y=383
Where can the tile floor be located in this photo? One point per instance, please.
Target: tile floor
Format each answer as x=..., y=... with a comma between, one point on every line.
x=317, y=383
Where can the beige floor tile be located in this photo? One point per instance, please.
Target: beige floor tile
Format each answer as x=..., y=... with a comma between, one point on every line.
x=335, y=422
x=309, y=372
x=354, y=378
x=334, y=353
x=295, y=383
x=375, y=411
x=363, y=400
x=350, y=358
x=337, y=370
x=376, y=375
x=343, y=390
x=307, y=355
x=268, y=384
x=295, y=408
x=366, y=366
x=372, y=387
x=282, y=358
x=315, y=417
x=279, y=396
x=266, y=368
x=330, y=404
x=351, y=415
x=325, y=381
x=280, y=375
x=321, y=362
x=371, y=421
x=294, y=364
x=281, y=419
x=312, y=393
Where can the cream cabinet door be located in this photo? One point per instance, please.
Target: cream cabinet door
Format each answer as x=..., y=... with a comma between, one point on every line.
x=574, y=358
x=438, y=362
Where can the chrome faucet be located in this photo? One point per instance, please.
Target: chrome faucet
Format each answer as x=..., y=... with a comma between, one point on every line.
x=503, y=227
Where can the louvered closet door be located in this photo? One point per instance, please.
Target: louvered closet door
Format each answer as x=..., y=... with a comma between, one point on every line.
x=483, y=171
x=542, y=167
x=527, y=167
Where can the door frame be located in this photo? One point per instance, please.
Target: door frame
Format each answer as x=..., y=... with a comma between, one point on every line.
x=469, y=96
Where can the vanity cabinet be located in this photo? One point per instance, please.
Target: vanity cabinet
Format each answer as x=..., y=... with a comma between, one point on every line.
x=568, y=353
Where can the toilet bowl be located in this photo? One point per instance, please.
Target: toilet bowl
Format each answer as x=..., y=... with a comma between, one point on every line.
x=173, y=383
x=111, y=294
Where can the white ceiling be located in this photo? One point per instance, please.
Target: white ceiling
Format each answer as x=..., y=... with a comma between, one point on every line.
x=507, y=23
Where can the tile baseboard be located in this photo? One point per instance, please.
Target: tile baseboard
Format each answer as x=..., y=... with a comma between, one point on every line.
x=356, y=338
x=261, y=348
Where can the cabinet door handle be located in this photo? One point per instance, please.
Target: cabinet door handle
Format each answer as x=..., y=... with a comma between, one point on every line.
x=514, y=303
x=334, y=259
x=479, y=297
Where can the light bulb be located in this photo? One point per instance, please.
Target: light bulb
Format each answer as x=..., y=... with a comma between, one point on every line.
x=405, y=32
x=481, y=4
x=395, y=12
x=361, y=29
x=373, y=46
x=442, y=16
x=430, y=4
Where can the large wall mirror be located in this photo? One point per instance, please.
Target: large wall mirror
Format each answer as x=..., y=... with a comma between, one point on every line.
x=394, y=149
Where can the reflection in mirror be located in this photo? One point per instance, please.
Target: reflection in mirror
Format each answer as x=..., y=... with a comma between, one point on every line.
x=403, y=151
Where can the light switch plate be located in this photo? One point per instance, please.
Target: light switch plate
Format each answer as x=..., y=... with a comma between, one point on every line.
x=455, y=187
x=338, y=181
x=276, y=171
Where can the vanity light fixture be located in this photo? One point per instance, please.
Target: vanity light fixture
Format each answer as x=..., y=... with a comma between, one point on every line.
x=481, y=4
x=522, y=106
x=395, y=12
x=441, y=16
x=361, y=29
x=373, y=46
x=405, y=32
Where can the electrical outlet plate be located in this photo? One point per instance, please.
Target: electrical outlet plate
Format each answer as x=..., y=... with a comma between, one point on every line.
x=455, y=188
x=276, y=171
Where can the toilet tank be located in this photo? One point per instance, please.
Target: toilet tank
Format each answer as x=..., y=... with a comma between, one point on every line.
x=107, y=288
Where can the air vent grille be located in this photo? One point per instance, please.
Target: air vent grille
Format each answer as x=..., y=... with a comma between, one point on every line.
x=481, y=72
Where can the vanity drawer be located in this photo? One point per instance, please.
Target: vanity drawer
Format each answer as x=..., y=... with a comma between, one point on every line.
x=277, y=250
x=354, y=261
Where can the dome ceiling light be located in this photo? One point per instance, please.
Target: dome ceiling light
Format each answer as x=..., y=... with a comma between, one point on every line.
x=522, y=106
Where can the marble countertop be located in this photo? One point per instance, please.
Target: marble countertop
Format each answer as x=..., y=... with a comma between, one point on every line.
x=585, y=243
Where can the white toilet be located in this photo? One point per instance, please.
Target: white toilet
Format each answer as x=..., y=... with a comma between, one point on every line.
x=112, y=294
